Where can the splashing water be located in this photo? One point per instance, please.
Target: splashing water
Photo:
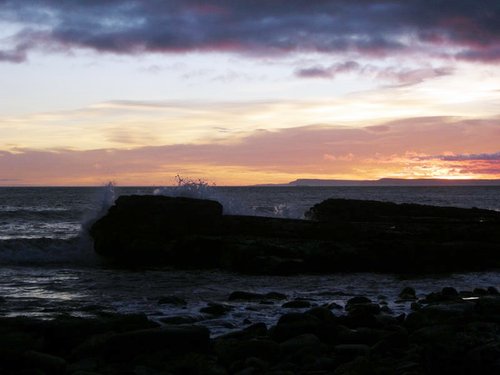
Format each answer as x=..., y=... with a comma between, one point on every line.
x=108, y=197
x=106, y=201
x=200, y=189
x=187, y=188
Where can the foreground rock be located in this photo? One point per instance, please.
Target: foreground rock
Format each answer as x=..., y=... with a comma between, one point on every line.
x=444, y=337
x=341, y=236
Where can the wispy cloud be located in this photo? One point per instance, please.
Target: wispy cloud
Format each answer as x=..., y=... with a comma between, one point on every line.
x=402, y=76
x=328, y=72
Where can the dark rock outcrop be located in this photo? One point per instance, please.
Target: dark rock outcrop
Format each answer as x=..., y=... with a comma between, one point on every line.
x=146, y=225
x=370, y=211
x=342, y=236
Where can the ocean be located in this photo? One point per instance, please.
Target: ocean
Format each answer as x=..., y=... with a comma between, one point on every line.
x=48, y=267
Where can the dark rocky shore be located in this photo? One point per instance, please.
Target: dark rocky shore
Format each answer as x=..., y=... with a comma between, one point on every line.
x=340, y=236
x=447, y=332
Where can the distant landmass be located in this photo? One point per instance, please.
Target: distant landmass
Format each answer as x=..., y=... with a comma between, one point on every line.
x=389, y=182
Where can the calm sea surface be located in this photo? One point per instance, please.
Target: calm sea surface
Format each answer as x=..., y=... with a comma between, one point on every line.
x=47, y=265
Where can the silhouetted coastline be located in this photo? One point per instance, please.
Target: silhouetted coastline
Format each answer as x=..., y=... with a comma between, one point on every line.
x=389, y=182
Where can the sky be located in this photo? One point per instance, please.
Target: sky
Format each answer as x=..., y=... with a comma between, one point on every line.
x=238, y=92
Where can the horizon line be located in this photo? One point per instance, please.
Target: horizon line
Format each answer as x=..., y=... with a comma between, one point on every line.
x=448, y=181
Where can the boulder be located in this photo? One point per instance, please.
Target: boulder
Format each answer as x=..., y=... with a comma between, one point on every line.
x=145, y=225
x=492, y=290
x=275, y=296
x=46, y=362
x=245, y=296
x=296, y=304
x=407, y=294
x=14, y=343
x=300, y=342
x=322, y=313
x=446, y=312
x=357, y=300
x=295, y=324
x=363, y=309
x=257, y=330
x=216, y=309
x=231, y=350
x=352, y=350
x=484, y=359
x=172, y=300
x=176, y=339
x=449, y=293
x=489, y=305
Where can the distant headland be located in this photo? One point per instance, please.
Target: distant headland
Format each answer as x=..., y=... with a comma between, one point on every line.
x=390, y=182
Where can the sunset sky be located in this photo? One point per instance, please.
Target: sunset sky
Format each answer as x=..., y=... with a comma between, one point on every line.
x=245, y=92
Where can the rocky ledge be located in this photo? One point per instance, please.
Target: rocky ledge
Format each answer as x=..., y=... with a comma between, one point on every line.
x=340, y=235
x=448, y=332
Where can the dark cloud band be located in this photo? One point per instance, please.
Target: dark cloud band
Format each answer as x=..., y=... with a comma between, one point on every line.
x=471, y=27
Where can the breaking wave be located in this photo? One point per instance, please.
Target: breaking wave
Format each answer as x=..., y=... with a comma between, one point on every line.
x=28, y=251
x=48, y=234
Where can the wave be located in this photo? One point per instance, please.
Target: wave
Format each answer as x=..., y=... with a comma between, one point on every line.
x=31, y=209
x=27, y=251
x=34, y=215
x=50, y=234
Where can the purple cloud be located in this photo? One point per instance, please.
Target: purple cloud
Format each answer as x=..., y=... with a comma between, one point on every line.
x=474, y=157
x=399, y=75
x=371, y=27
x=328, y=72
x=15, y=55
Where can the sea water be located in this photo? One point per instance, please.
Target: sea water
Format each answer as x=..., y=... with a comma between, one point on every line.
x=48, y=267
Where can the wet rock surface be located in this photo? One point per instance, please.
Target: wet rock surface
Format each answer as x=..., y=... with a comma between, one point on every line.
x=452, y=333
x=341, y=236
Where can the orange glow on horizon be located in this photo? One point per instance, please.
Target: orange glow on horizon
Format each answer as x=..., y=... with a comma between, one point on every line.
x=410, y=148
x=222, y=176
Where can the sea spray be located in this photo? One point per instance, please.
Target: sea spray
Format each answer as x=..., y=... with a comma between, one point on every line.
x=106, y=198
x=232, y=205
x=187, y=188
x=200, y=189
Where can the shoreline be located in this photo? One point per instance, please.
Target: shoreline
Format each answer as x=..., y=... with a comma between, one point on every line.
x=446, y=332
